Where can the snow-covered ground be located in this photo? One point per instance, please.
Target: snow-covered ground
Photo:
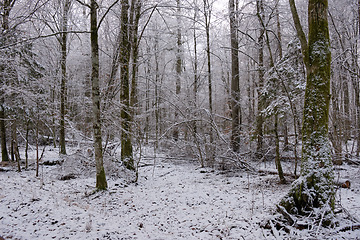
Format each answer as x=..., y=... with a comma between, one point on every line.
x=172, y=200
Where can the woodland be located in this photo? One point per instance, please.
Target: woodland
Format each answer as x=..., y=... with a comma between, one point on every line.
x=179, y=119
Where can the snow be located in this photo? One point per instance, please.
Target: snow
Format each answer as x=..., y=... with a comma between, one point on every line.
x=173, y=199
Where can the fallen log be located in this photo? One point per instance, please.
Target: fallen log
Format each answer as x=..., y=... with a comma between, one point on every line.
x=275, y=172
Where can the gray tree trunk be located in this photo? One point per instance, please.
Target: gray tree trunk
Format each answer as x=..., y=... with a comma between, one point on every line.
x=178, y=67
x=135, y=13
x=235, y=79
x=101, y=183
x=63, y=44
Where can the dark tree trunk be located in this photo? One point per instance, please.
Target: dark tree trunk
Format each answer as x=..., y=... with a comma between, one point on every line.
x=5, y=8
x=277, y=151
x=235, y=79
x=259, y=117
x=27, y=143
x=126, y=145
x=207, y=15
x=4, y=152
x=195, y=89
x=15, y=144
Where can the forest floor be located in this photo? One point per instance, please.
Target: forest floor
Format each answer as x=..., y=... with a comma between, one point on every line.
x=172, y=199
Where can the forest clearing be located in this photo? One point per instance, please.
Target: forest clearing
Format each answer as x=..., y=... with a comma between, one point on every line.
x=173, y=199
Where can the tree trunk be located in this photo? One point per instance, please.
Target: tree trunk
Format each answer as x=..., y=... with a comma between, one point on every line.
x=101, y=183
x=195, y=89
x=277, y=151
x=15, y=144
x=27, y=143
x=63, y=44
x=37, y=145
x=126, y=145
x=314, y=188
x=4, y=152
x=259, y=117
x=157, y=97
x=357, y=91
x=235, y=79
x=300, y=33
x=336, y=133
x=207, y=15
x=178, y=67
x=6, y=8
x=135, y=14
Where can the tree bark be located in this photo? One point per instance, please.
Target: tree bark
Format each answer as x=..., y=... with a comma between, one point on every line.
x=135, y=14
x=63, y=44
x=27, y=144
x=235, y=79
x=300, y=33
x=101, y=183
x=261, y=72
x=178, y=66
x=4, y=152
x=126, y=145
x=314, y=188
x=207, y=15
x=277, y=151
x=5, y=8
x=15, y=146
x=195, y=89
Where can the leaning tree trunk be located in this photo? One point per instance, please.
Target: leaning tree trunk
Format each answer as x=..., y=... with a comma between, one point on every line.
x=101, y=183
x=314, y=189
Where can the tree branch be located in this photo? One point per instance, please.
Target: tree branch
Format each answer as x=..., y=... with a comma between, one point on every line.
x=300, y=33
x=82, y=3
x=107, y=11
x=39, y=37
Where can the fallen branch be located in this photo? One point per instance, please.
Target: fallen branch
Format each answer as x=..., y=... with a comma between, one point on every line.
x=274, y=231
x=286, y=215
x=275, y=172
x=349, y=228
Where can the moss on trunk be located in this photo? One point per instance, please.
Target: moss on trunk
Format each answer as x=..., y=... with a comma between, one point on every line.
x=314, y=190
